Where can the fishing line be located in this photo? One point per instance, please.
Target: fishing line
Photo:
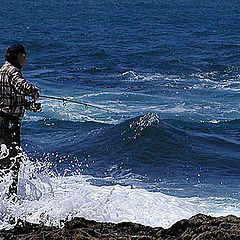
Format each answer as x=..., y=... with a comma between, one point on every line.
x=77, y=102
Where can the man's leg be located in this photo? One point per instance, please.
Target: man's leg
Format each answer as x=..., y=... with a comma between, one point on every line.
x=16, y=153
x=10, y=151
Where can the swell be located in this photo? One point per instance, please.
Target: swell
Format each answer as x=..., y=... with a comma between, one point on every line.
x=145, y=145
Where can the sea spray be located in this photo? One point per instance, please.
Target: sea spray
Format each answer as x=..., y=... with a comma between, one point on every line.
x=48, y=199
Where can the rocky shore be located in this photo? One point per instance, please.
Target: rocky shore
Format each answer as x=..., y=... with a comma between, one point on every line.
x=199, y=227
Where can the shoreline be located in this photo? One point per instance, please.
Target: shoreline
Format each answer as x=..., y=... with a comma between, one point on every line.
x=200, y=227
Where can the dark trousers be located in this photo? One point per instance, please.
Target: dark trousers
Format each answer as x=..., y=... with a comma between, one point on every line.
x=10, y=149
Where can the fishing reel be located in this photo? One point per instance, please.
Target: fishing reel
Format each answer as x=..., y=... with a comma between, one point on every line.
x=33, y=106
x=36, y=107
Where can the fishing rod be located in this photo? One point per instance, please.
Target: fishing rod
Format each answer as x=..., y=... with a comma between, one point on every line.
x=77, y=102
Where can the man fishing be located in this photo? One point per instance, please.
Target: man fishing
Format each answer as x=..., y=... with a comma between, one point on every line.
x=13, y=89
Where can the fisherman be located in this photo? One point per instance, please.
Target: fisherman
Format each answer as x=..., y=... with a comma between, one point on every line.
x=13, y=89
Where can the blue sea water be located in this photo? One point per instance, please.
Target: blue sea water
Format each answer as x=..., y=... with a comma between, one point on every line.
x=169, y=69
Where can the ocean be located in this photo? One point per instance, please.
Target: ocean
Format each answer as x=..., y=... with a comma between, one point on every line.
x=169, y=74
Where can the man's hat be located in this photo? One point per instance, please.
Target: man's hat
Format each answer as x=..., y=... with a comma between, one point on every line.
x=15, y=49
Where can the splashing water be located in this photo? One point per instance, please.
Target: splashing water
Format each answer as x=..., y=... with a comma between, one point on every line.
x=50, y=199
x=138, y=126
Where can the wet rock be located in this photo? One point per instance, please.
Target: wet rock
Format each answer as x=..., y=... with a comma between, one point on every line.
x=199, y=227
x=202, y=227
x=79, y=229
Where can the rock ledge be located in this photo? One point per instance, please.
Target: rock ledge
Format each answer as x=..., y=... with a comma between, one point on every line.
x=198, y=227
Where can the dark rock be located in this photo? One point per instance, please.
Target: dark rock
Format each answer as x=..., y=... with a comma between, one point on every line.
x=199, y=227
x=202, y=227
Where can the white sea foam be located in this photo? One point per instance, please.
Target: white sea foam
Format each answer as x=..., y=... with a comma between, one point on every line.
x=48, y=200
x=132, y=76
x=222, y=206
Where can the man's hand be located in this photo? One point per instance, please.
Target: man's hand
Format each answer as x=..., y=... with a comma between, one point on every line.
x=35, y=95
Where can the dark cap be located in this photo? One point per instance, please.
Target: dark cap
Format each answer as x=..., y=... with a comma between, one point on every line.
x=15, y=49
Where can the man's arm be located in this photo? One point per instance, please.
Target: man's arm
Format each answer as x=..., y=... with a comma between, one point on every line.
x=22, y=86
